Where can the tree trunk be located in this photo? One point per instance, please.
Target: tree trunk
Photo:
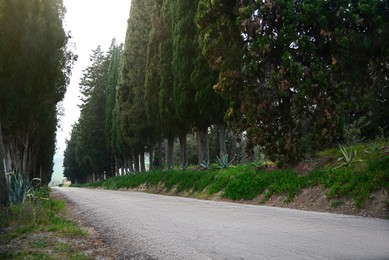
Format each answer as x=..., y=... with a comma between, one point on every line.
x=125, y=170
x=202, y=145
x=170, y=153
x=7, y=164
x=151, y=158
x=24, y=170
x=158, y=156
x=131, y=163
x=136, y=162
x=142, y=161
x=116, y=169
x=3, y=181
x=183, y=151
x=222, y=140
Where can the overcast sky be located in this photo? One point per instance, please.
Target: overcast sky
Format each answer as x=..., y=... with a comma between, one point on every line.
x=92, y=23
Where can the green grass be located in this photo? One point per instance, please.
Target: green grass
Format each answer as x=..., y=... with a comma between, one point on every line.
x=336, y=203
x=35, y=226
x=243, y=181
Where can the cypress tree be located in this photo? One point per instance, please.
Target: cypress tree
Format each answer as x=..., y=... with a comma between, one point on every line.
x=183, y=33
x=167, y=109
x=137, y=133
x=152, y=84
x=32, y=82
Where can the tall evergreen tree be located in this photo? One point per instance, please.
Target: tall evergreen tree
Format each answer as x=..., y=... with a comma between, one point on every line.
x=92, y=149
x=183, y=33
x=167, y=110
x=137, y=133
x=152, y=83
x=32, y=82
x=72, y=169
x=295, y=65
x=115, y=54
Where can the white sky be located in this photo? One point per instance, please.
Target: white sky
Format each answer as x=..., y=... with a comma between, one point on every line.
x=92, y=23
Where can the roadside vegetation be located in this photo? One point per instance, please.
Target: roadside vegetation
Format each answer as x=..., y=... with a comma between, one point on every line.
x=340, y=177
x=39, y=228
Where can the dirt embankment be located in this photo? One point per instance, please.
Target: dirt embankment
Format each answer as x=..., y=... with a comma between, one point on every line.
x=313, y=199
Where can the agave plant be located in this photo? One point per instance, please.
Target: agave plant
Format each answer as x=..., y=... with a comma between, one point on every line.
x=205, y=164
x=348, y=157
x=20, y=188
x=223, y=161
x=184, y=166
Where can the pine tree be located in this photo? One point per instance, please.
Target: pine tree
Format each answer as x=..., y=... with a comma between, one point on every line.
x=91, y=146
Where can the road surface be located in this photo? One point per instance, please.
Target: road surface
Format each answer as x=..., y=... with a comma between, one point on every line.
x=145, y=226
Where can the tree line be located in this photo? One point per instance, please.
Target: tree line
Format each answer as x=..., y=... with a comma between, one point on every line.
x=286, y=78
x=35, y=66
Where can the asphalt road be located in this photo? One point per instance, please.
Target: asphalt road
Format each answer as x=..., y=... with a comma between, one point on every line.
x=145, y=226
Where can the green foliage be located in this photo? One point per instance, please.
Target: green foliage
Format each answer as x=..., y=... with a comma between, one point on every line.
x=33, y=229
x=336, y=203
x=290, y=70
x=353, y=131
x=348, y=157
x=205, y=164
x=184, y=166
x=96, y=137
x=224, y=162
x=33, y=81
x=245, y=182
x=136, y=130
x=20, y=188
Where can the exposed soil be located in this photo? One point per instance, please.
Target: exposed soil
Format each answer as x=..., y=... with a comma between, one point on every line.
x=313, y=199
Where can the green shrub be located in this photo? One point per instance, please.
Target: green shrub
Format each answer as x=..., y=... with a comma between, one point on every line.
x=357, y=181
x=245, y=186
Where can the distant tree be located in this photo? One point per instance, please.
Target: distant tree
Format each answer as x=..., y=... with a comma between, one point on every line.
x=93, y=154
x=72, y=169
x=115, y=54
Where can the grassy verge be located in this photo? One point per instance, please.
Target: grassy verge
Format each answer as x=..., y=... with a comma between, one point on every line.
x=361, y=178
x=37, y=229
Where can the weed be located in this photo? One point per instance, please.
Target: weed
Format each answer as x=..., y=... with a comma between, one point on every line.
x=336, y=203
x=39, y=243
